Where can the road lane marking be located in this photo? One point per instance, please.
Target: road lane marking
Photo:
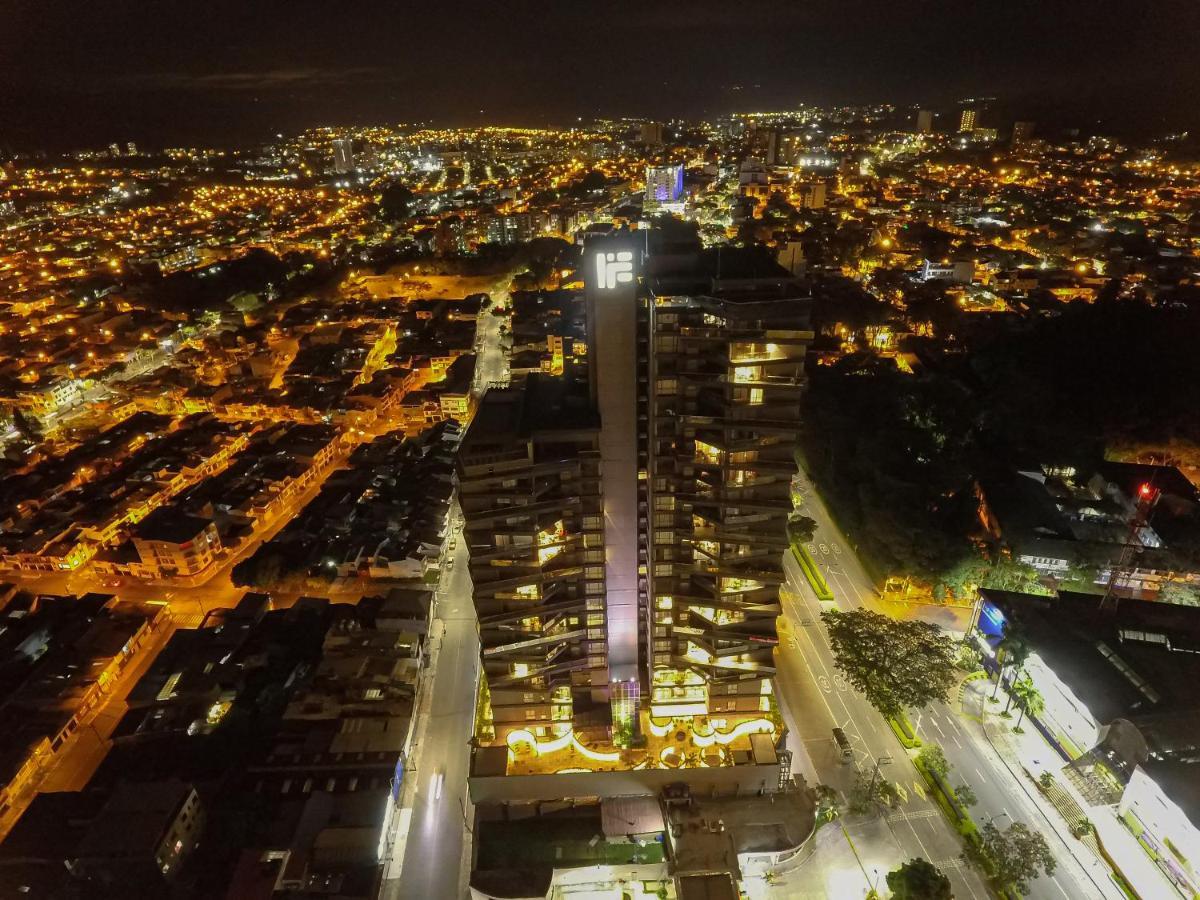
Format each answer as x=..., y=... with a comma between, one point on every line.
x=980, y=774
x=852, y=726
x=1054, y=878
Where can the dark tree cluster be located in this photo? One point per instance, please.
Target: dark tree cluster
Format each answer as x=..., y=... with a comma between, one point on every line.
x=900, y=454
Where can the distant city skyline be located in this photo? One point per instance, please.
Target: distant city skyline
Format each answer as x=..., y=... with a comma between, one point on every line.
x=165, y=75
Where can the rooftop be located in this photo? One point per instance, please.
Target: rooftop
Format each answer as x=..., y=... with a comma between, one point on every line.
x=170, y=526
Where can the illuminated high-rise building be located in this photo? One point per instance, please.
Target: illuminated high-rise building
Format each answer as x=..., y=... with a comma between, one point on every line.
x=626, y=525
x=664, y=189
x=343, y=156
x=966, y=121
x=924, y=121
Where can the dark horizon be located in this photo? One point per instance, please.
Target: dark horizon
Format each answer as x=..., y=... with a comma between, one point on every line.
x=80, y=75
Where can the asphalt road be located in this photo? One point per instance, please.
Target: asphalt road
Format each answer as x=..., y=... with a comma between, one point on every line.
x=918, y=826
x=435, y=844
x=435, y=852
x=972, y=759
x=491, y=361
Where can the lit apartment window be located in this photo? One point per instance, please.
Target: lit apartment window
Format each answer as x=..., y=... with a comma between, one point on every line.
x=708, y=453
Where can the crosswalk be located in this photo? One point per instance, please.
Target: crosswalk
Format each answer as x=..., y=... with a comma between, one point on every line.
x=910, y=815
x=955, y=862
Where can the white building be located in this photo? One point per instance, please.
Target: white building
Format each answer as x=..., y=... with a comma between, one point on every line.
x=343, y=156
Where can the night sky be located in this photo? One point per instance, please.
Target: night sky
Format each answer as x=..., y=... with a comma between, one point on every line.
x=77, y=74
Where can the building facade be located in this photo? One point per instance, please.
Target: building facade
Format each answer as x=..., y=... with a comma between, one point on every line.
x=343, y=156
x=626, y=532
x=727, y=339
x=529, y=489
x=664, y=188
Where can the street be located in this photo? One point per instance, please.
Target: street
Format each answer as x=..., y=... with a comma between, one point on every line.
x=919, y=826
x=434, y=806
x=491, y=361
x=429, y=854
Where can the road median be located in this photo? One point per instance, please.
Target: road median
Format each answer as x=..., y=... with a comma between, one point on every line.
x=813, y=575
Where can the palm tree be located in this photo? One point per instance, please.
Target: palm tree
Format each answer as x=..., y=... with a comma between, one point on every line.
x=1013, y=650
x=1029, y=699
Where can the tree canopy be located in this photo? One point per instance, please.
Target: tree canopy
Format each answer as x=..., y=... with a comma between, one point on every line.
x=801, y=528
x=900, y=455
x=1018, y=854
x=919, y=879
x=395, y=203
x=895, y=664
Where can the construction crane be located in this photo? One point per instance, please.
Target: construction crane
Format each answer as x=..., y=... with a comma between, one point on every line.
x=1143, y=508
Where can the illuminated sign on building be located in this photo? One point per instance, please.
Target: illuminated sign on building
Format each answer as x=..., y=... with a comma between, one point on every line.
x=613, y=269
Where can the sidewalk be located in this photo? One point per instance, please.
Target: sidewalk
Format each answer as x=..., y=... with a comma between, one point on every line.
x=835, y=862
x=1026, y=756
x=397, y=841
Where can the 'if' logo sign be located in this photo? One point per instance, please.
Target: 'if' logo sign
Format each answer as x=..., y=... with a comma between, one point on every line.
x=613, y=269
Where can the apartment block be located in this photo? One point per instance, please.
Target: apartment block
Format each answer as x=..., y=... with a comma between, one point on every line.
x=727, y=335
x=529, y=489
x=627, y=520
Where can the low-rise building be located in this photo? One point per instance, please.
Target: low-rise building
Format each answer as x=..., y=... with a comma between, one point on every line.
x=142, y=835
x=1118, y=702
x=174, y=544
x=62, y=658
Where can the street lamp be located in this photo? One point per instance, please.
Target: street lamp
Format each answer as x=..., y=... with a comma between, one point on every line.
x=999, y=815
